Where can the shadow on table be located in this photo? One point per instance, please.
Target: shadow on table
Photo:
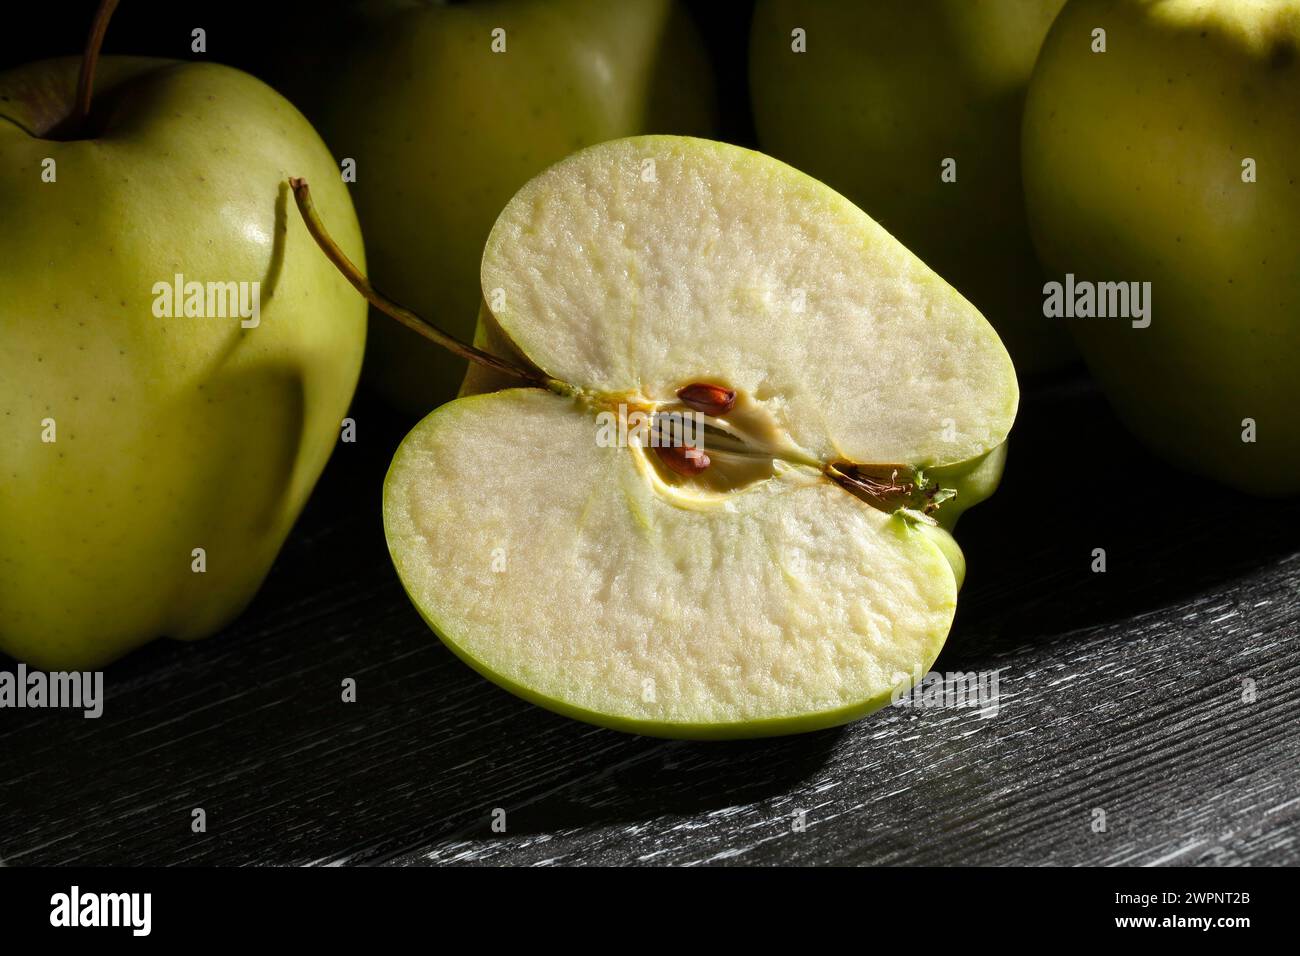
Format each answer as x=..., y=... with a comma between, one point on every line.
x=640, y=779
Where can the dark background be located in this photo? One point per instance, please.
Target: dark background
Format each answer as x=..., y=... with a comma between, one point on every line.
x=1122, y=691
x=254, y=36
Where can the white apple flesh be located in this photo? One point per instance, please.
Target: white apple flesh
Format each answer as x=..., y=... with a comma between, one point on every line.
x=773, y=595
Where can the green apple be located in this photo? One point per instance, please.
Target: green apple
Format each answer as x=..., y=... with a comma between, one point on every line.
x=790, y=573
x=1173, y=157
x=447, y=109
x=882, y=97
x=130, y=440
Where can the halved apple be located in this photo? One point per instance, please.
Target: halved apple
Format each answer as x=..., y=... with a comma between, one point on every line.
x=791, y=572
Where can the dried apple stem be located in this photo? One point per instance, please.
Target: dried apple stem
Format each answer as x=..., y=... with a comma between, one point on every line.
x=89, y=60
x=414, y=322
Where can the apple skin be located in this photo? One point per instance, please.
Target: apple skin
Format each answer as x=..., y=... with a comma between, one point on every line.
x=1133, y=172
x=171, y=433
x=888, y=89
x=736, y=730
x=444, y=131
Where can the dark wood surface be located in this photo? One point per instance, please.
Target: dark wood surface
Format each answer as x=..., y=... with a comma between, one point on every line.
x=1121, y=692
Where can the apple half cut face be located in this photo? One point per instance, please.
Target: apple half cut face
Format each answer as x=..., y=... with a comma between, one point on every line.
x=790, y=570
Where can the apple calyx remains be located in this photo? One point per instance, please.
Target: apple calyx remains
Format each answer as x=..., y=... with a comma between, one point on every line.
x=740, y=438
x=892, y=487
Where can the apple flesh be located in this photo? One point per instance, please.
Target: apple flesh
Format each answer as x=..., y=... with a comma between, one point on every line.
x=884, y=93
x=1134, y=172
x=445, y=126
x=169, y=434
x=795, y=581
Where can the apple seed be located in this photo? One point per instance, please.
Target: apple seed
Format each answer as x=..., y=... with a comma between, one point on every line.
x=709, y=399
x=682, y=459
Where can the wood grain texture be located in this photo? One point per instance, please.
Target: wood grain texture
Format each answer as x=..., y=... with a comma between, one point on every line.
x=1120, y=691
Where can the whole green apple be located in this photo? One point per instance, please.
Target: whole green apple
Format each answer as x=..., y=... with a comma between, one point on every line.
x=447, y=109
x=1162, y=145
x=913, y=111
x=155, y=449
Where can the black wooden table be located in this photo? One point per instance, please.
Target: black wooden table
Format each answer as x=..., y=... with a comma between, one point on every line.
x=1122, y=693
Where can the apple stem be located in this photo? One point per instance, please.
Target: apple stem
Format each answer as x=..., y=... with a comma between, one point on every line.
x=86, y=78
x=302, y=195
